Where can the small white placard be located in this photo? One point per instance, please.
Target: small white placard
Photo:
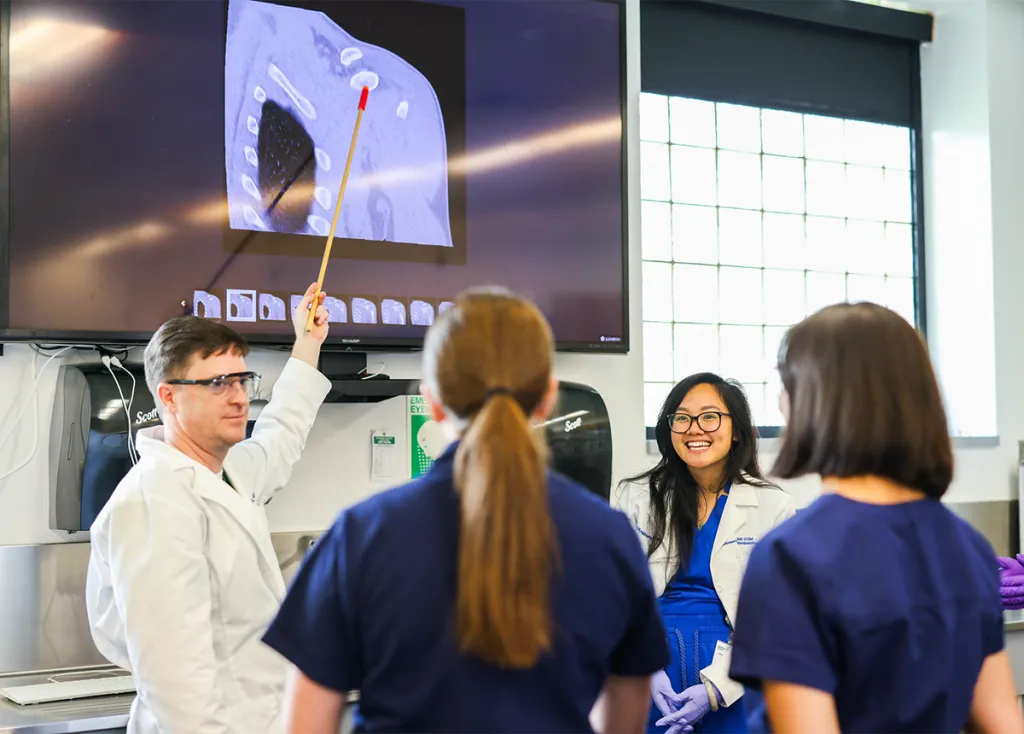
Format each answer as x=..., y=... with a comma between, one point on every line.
x=383, y=456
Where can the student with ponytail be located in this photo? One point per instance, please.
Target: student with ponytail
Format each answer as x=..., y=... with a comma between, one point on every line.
x=490, y=594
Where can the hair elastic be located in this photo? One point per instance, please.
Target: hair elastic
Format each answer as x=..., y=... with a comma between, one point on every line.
x=497, y=391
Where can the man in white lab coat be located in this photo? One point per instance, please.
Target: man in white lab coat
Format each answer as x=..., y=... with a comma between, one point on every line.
x=183, y=579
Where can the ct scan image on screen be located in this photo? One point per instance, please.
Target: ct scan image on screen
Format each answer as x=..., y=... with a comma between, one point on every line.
x=292, y=81
x=197, y=151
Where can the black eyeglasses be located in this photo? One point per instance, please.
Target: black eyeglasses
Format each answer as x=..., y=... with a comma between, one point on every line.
x=708, y=422
x=225, y=384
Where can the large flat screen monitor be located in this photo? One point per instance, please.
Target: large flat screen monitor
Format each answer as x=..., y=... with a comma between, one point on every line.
x=170, y=157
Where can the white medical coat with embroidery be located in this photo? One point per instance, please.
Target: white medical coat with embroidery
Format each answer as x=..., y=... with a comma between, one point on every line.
x=749, y=513
x=183, y=579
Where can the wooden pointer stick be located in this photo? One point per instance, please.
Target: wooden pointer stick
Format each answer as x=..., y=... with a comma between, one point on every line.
x=337, y=210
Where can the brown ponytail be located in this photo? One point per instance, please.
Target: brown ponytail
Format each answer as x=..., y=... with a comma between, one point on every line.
x=488, y=361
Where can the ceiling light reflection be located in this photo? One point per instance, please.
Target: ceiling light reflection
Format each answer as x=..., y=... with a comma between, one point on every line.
x=211, y=212
x=513, y=152
x=109, y=242
x=45, y=43
x=504, y=155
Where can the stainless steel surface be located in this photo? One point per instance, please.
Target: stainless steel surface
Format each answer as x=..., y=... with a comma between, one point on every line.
x=1013, y=620
x=291, y=549
x=998, y=521
x=49, y=628
x=1020, y=492
x=84, y=715
x=47, y=632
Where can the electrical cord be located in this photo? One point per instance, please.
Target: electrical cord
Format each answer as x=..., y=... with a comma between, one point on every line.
x=31, y=400
x=368, y=375
x=111, y=349
x=107, y=362
x=131, y=400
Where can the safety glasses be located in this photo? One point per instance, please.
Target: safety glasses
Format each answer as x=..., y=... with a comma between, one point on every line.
x=225, y=385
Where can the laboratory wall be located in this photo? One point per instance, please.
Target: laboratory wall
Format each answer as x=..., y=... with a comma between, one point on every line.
x=335, y=468
x=973, y=99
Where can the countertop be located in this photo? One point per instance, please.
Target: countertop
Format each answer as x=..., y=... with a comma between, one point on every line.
x=98, y=715
x=64, y=717
x=1013, y=620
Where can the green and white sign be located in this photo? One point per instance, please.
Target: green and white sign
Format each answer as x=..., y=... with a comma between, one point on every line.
x=426, y=439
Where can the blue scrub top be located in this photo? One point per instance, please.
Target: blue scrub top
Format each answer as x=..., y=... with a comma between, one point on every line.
x=692, y=590
x=372, y=609
x=695, y=623
x=892, y=609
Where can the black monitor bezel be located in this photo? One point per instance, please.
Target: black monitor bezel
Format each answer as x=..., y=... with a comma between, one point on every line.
x=334, y=343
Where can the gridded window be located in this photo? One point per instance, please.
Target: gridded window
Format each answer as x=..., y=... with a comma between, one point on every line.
x=755, y=218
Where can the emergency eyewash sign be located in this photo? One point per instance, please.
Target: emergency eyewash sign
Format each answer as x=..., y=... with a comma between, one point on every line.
x=426, y=439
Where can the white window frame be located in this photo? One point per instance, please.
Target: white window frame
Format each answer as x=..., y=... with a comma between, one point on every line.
x=697, y=137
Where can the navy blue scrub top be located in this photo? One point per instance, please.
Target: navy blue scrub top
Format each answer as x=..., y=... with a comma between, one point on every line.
x=692, y=592
x=372, y=609
x=892, y=609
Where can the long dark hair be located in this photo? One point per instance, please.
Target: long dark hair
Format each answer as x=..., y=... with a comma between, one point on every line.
x=673, y=489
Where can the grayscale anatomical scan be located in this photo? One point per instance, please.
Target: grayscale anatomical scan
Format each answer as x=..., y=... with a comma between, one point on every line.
x=292, y=82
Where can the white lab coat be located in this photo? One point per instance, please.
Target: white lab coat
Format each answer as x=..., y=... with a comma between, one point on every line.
x=183, y=579
x=749, y=514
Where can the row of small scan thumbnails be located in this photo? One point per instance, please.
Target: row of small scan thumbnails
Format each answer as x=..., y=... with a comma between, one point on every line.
x=241, y=306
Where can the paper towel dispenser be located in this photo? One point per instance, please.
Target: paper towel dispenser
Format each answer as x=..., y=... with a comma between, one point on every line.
x=579, y=436
x=89, y=438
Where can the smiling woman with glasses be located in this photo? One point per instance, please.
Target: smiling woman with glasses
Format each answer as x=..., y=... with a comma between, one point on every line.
x=699, y=512
x=708, y=422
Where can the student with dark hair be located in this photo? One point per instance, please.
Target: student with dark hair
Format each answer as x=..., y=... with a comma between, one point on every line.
x=490, y=594
x=876, y=609
x=699, y=512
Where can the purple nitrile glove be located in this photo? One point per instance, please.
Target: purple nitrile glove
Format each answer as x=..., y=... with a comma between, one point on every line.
x=1013, y=605
x=1010, y=566
x=1012, y=597
x=1012, y=601
x=663, y=694
x=1011, y=585
x=680, y=728
x=696, y=703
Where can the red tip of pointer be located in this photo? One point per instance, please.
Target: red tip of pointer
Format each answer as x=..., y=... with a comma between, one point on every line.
x=362, y=98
